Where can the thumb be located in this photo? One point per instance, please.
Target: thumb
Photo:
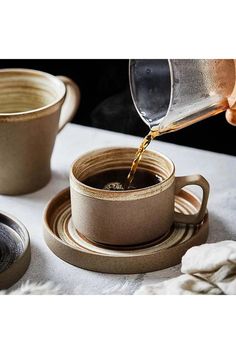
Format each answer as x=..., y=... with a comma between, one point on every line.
x=231, y=116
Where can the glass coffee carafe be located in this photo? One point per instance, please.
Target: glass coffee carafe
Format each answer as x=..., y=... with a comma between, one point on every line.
x=172, y=94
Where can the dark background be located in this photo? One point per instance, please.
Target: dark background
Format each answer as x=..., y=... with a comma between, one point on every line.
x=106, y=103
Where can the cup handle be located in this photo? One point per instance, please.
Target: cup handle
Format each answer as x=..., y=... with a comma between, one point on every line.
x=71, y=102
x=198, y=180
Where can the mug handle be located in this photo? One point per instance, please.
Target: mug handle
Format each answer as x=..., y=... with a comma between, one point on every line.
x=71, y=103
x=198, y=180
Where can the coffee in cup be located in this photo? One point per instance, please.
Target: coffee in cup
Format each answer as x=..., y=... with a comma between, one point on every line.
x=128, y=217
x=115, y=179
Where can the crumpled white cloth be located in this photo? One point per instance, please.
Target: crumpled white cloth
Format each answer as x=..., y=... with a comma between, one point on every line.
x=208, y=269
x=27, y=288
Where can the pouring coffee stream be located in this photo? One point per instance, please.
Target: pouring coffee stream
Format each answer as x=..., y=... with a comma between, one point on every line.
x=127, y=183
x=143, y=146
x=172, y=94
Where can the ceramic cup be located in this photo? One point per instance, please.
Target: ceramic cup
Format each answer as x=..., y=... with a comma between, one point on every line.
x=34, y=107
x=133, y=217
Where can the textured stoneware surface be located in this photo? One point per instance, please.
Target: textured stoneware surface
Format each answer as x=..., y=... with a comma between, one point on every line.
x=14, y=250
x=34, y=106
x=75, y=140
x=62, y=238
x=110, y=217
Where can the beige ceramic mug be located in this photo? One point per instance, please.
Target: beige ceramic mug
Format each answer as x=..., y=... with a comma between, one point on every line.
x=126, y=218
x=34, y=106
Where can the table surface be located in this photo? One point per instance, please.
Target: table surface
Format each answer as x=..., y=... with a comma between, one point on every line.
x=218, y=169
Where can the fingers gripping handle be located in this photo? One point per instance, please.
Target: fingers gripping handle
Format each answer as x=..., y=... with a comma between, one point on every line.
x=71, y=102
x=192, y=180
x=232, y=97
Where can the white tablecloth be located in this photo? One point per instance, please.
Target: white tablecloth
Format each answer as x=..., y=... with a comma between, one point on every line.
x=218, y=169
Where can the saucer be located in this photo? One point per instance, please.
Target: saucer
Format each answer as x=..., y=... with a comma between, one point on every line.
x=14, y=250
x=63, y=240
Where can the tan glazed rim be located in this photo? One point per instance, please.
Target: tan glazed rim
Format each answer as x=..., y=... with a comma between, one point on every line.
x=141, y=193
x=29, y=114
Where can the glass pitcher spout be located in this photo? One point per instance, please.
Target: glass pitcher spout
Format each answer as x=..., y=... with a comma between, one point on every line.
x=172, y=94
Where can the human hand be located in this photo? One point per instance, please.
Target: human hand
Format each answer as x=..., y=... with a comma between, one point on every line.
x=230, y=115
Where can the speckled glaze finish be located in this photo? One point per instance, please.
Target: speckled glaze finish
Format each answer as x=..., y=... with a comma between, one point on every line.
x=34, y=106
x=134, y=217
